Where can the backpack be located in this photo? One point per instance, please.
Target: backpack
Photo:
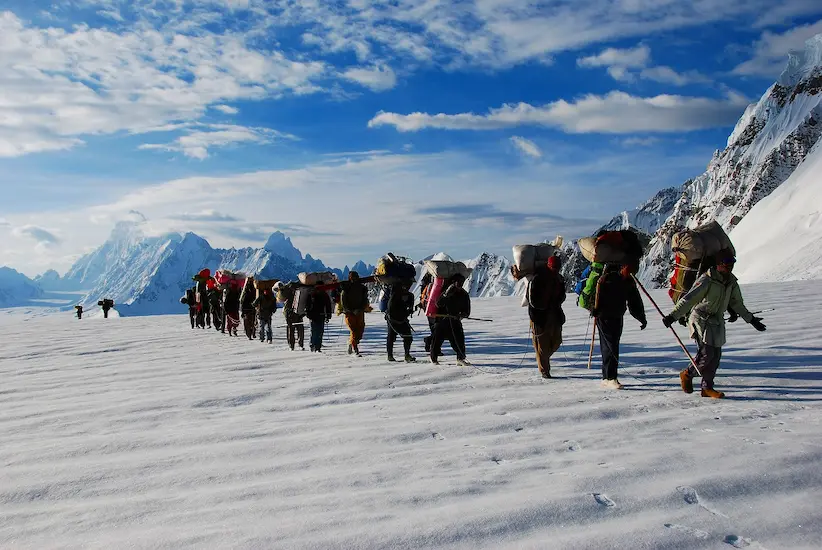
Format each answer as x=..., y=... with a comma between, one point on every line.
x=580, y=284
x=391, y=269
x=588, y=295
x=385, y=296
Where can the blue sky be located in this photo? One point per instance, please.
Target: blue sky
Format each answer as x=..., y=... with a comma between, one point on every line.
x=360, y=127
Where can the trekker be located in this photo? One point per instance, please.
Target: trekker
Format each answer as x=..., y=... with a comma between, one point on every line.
x=266, y=305
x=231, y=309
x=714, y=293
x=616, y=292
x=107, y=305
x=215, y=307
x=247, y=297
x=400, y=308
x=318, y=312
x=354, y=301
x=453, y=306
x=79, y=311
x=546, y=293
x=192, y=307
x=426, y=283
x=294, y=323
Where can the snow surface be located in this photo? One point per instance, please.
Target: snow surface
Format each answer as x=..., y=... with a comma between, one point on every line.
x=142, y=433
x=781, y=238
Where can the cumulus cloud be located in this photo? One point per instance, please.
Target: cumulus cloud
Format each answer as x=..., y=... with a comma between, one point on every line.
x=43, y=237
x=526, y=147
x=196, y=143
x=378, y=78
x=634, y=63
x=227, y=109
x=772, y=49
x=639, y=56
x=614, y=113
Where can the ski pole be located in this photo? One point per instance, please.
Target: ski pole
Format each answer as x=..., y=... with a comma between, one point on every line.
x=678, y=339
x=591, y=352
x=468, y=318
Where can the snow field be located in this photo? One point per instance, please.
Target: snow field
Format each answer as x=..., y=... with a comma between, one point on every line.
x=143, y=433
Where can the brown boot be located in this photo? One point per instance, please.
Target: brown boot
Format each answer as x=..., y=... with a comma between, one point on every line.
x=712, y=393
x=686, y=381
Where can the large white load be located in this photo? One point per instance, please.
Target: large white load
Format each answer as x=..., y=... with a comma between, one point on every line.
x=443, y=269
x=319, y=278
x=702, y=242
x=528, y=257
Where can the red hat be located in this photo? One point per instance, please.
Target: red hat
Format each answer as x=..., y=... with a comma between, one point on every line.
x=554, y=263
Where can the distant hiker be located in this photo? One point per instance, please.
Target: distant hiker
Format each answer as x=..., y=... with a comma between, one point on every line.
x=318, y=311
x=615, y=293
x=545, y=294
x=714, y=293
x=192, y=306
x=106, y=304
x=400, y=308
x=79, y=311
x=294, y=325
x=355, y=302
x=215, y=306
x=453, y=306
x=247, y=297
x=231, y=309
x=266, y=305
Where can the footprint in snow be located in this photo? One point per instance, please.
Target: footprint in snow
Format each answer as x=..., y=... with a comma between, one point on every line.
x=737, y=541
x=572, y=445
x=698, y=533
x=689, y=494
x=437, y=436
x=603, y=500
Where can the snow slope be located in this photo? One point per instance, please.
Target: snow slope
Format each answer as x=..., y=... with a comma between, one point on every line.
x=142, y=433
x=781, y=238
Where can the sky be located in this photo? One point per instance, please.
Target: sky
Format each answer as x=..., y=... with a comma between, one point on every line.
x=358, y=128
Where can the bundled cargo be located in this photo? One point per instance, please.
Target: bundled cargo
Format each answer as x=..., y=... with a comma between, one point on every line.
x=266, y=284
x=612, y=247
x=444, y=269
x=695, y=252
x=301, y=295
x=394, y=269
x=317, y=278
x=437, y=287
x=528, y=257
x=225, y=277
x=204, y=275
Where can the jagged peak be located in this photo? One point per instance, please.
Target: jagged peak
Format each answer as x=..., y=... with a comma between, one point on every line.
x=278, y=243
x=803, y=64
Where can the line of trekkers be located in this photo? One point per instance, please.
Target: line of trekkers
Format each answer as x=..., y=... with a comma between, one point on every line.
x=703, y=289
x=228, y=298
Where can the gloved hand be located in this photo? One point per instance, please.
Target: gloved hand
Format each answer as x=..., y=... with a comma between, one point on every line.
x=668, y=321
x=643, y=325
x=594, y=313
x=756, y=323
x=732, y=318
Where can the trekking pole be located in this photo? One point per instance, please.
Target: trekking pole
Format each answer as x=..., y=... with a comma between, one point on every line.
x=678, y=339
x=468, y=318
x=591, y=352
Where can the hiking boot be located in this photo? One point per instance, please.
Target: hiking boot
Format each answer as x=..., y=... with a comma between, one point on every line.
x=612, y=384
x=464, y=363
x=433, y=361
x=350, y=349
x=302, y=348
x=686, y=381
x=391, y=359
x=546, y=375
x=712, y=393
x=410, y=359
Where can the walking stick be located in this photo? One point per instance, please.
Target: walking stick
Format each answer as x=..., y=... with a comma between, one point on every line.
x=591, y=353
x=678, y=339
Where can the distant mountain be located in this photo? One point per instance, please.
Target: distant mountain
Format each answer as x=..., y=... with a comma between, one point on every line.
x=16, y=289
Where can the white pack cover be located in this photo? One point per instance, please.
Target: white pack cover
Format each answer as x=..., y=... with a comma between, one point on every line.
x=603, y=252
x=702, y=242
x=527, y=257
x=319, y=278
x=443, y=269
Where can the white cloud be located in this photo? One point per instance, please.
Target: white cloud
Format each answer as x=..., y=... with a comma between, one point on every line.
x=196, y=143
x=639, y=141
x=526, y=147
x=208, y=215
x=378, y=78
x=44, y=237
x=627, y=65
x=227, y=109
x=614, y=113
x=771, y=50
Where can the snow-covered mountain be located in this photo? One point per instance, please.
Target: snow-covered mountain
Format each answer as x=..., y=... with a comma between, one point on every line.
x=791, y=249
x=16, y=289
x=772, y=138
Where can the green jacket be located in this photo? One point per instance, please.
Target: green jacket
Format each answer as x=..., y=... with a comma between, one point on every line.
x=589, y=292
x=708, y=300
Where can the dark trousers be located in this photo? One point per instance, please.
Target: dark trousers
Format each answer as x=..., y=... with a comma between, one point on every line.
x=201, y=318
x=208, y=317
x=449, y=329
x=192, y=316
x=291, y=329
x=216, y=316
x=610, y=333
x=265, y=328
x=403, y=330
x=317, y=330
x=105, y=312
x=432, y=322
x=707, y=359
x=250, y=324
